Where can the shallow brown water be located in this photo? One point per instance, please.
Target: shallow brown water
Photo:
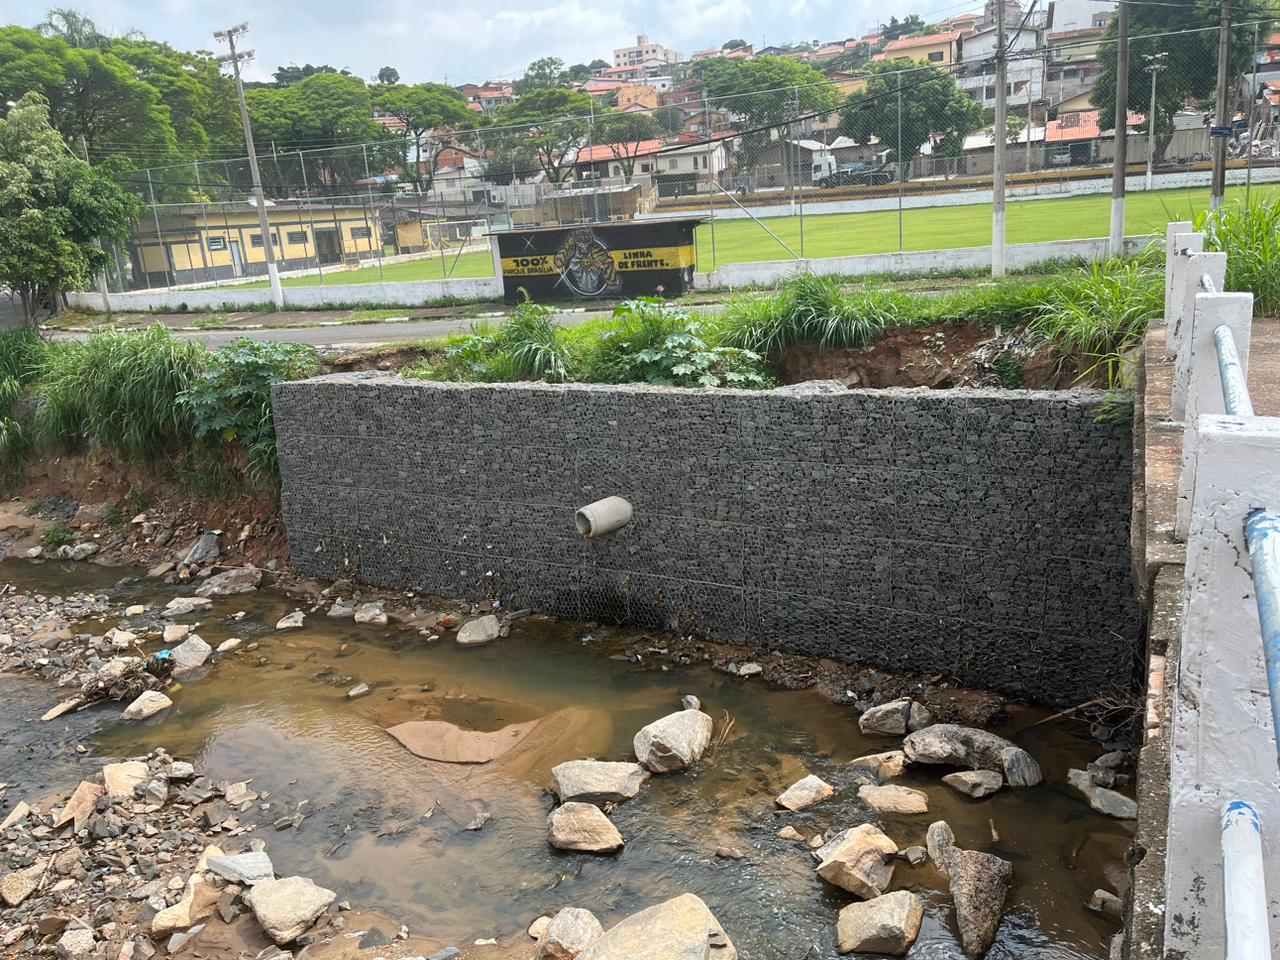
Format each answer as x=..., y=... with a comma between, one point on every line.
x=280, y=716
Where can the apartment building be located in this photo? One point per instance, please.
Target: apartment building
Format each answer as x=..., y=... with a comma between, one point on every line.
x=644, y=49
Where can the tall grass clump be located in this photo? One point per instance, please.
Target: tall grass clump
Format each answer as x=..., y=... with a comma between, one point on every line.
x=815, y=310
x=526, y=346
x=1249, y=233
x=1100, y=314
x=20, y=354
x=118, y=390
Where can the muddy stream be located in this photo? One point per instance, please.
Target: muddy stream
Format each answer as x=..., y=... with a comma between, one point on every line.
x=387, y=830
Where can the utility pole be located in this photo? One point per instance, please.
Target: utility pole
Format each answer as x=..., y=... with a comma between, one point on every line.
x=235, y=59
x=1222, y=129
x=999, y=256
x=1120, y=162
x=1155, y=63
x=102, y=275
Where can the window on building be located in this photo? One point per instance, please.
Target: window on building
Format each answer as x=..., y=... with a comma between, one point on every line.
x=704, y=162
x=936, y=56
x=296, y=236
x=645, y=168
x=360, y=233
x=217, y=243
x=673, y=164
x=990, y=92
x=255, y=239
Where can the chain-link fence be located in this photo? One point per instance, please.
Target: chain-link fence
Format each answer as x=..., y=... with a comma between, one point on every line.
x=898, y=155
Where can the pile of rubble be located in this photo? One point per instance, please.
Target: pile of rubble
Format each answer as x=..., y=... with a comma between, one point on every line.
x=134, y=860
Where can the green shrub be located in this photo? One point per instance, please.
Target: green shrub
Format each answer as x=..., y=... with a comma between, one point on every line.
x=1100, y=314
x=57, y=536
x=118, y=390
x=229, y=401
x=1249, y=233
x=635, y=327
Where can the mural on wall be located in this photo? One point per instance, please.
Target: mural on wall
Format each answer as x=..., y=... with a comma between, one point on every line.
x=585, y=265
x=627, y=258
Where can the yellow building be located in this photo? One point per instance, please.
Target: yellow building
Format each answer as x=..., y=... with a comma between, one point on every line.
x=200, y=242
x=939, y=49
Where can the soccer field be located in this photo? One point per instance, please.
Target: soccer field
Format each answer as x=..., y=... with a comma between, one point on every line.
x=850, y=234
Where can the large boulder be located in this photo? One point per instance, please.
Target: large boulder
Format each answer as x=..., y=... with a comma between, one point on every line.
x=245, y=869
x=894, y=799
x=805, y=793
x=192, y=653
x=477, y=632
x=568, y=933
x=231, y=582
x=887, y=924
x=147, y=705
x=181, y=606
x=974, y=783
x=678, y=929
x=287, y=908
x=1102, y=799
x=582, y=826
x=121, y=778
x=598, y=781
x=859, y=860
x=952, y=745
x=889, y=719
x=882, y=766
x=676, y=742
x=980, y=884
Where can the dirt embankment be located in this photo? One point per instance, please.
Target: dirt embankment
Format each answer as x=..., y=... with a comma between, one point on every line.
x=136, y=516
x=941, y=356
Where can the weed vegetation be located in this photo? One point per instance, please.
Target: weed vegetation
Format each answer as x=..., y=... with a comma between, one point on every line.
x=144, y=397
x=1249, y=233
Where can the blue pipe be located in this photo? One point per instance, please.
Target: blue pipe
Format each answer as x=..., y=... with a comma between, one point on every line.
x=1235, y=390
x=1262, y=532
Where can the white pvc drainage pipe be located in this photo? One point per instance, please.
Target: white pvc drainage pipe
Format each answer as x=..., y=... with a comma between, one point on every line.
x=1245, y=896
x=603, y=517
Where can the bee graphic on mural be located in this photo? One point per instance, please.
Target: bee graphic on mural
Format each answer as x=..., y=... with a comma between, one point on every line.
x=585, y=264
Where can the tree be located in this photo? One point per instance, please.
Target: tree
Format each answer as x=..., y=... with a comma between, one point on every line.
x=933, y=105
x=423, y=108
x=544, y=73
x=625, y=134
x=902, y=28
x=1189, y=73
x=671, y=119
x=763, y=93
x=737, y=43
x=388, y=75
x=578, y=73
x=73, y=27
x=851, y=60
x=53, y=209
x=92, y=95
x=287, y=76
x=556, y=121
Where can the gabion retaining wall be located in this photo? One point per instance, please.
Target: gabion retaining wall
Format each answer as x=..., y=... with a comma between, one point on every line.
x=976, y=534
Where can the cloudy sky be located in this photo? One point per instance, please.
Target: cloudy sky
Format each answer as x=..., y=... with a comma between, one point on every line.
x=477, y=39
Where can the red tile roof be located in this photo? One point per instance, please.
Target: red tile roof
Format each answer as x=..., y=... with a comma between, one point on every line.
x=1082, y=125
x=932, y=39
x=637, y=148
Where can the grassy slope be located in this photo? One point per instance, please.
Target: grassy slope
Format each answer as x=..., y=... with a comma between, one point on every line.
x=846, y=234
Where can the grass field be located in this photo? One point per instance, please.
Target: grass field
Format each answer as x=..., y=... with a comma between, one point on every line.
x=850, y=234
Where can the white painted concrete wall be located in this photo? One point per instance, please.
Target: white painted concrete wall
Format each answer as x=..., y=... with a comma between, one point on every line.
x=725, y=210
x=1223, y=744
x=407, y=294
x=733, y=275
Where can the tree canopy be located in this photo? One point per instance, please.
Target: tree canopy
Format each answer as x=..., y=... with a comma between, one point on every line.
x=905, y=27
x=388, y=75
x=291, y=74
x=1189, y=73
x=422, y=108
x=544, y=73
x=933, y=105
x=624, y=134
x=556, y=121
x=764, y=92
x=53, y=209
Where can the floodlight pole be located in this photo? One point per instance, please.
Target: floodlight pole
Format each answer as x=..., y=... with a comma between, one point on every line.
x=1155, y=63
x=229, y=36
x=999, y=261
x=1120, y=161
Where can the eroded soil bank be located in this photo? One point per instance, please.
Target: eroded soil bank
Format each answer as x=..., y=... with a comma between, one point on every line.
x=459, y=853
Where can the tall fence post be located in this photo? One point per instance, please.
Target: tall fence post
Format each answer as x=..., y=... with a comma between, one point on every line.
x=1170, y=255
x=1198, y=267
x=1222, y=745
x=1203, y=388
x=1175, y=282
